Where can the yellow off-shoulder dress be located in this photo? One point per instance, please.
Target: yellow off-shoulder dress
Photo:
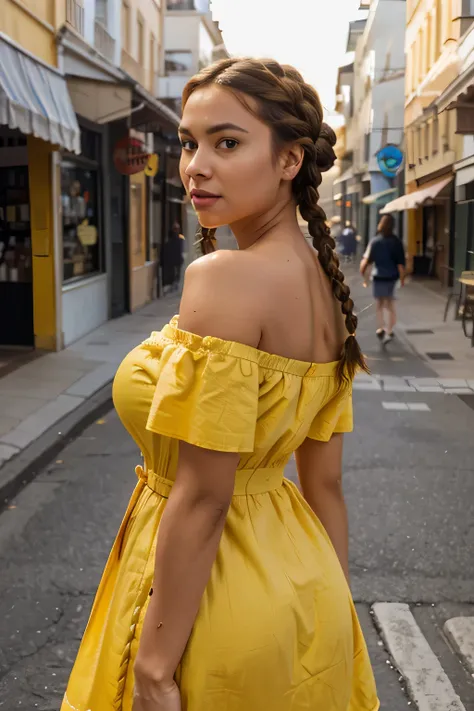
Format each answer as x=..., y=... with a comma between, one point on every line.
x=277, y=629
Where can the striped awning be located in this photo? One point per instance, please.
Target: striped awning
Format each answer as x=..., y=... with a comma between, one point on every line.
x=34, y=98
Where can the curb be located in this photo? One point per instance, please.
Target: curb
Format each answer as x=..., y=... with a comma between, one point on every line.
x=26, y=465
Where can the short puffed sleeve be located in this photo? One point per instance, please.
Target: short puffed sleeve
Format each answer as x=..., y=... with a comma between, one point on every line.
x=206, y=398
x=336, y=417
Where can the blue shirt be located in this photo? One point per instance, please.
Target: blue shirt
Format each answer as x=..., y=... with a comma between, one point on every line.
x=386, y=254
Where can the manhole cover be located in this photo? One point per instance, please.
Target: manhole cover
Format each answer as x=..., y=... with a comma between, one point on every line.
x=440, y=356
x=419, y=331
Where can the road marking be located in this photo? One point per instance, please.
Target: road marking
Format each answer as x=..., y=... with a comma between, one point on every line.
x=394, y=406
x=366, y=386
x=426, y=680
x=460, y=630
x=419, y=407
x=408, y=384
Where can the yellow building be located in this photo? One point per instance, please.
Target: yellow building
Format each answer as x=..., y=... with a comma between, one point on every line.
x=432, y=147
x=36, y=117
x=80, y=223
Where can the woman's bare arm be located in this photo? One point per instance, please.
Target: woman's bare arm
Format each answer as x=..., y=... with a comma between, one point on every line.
x=320, y=474
x=194, y=518
x=189, y=535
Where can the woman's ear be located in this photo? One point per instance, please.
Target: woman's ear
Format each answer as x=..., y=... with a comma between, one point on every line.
x=291, y=161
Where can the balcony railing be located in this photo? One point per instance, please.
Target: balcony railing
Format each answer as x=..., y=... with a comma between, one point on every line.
x=104, y=43
x=75, y=15
x=132, y=67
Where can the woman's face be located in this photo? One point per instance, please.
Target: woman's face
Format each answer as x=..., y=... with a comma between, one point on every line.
x=227, y=161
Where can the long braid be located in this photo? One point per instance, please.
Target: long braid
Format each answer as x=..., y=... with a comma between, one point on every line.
x=293, y=110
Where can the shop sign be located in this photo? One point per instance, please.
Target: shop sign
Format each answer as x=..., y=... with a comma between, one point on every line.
x=390, y=159
x=130, y=157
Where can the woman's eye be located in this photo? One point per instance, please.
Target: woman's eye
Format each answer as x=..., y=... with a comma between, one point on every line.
x=228, y=143
x=188, y=145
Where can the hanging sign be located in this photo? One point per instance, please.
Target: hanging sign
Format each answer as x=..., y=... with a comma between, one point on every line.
x=389, y=159
x=130, y=157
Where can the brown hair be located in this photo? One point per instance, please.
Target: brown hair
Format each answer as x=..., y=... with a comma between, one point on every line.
x=293, y=111
x=386, y=225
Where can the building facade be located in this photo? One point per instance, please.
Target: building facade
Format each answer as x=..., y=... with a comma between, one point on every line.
x=81, y=134
x=192, y=40
x=371, y=97
x=434, y=33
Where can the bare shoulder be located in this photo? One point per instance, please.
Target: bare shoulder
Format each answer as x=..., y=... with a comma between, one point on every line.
x=218, y=298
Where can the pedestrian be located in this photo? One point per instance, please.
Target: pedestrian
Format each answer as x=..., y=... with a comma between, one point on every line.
x=386, y=256
x=348, y=240
x=227, y=588
x=172, y=258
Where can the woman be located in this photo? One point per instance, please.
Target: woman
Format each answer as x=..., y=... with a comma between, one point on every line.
x=386, y=256
x=241, y=602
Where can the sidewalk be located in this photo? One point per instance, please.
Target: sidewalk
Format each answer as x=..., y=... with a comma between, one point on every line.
x=44, y=401
x=420, y=312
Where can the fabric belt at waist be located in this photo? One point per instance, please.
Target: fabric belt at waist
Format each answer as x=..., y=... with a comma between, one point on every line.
x=247, y=481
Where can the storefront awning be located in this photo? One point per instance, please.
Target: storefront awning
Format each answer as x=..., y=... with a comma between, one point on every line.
x=417, y=198
x=34, y=98
x=152, y=115
x=344, y=177
x=375, y=197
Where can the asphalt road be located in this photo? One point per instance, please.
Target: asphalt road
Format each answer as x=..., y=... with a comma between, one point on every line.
x=409, y=483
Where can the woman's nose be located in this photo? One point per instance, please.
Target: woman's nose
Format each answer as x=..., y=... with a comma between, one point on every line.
x=198, y=166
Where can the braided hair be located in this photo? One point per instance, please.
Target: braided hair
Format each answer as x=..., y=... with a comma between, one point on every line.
x=293, y=110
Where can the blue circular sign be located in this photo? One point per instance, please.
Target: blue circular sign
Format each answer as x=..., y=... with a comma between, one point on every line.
x=389, y=160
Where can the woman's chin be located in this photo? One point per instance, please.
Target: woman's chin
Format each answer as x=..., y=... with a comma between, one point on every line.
x=210, y=222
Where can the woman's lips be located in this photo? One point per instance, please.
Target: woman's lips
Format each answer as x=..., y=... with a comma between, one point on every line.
x=203, y=199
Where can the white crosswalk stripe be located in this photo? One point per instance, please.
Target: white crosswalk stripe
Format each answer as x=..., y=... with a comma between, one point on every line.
x=428, y=685
x=407, y=384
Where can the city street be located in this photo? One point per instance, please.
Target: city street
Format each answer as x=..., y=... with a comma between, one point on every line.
x=410, y=493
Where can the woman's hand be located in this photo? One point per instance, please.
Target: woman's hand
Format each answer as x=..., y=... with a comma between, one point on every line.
x=151, y=695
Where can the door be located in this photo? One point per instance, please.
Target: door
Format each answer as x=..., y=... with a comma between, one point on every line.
x=16, y=272
x=119, y=199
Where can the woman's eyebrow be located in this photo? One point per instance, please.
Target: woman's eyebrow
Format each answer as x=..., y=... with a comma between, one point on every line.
x=215, y=129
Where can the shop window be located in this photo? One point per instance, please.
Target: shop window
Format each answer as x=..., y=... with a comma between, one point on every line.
x=81, y=224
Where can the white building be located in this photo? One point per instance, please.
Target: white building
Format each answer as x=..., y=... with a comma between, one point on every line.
x=192, y=40
x=372, y=98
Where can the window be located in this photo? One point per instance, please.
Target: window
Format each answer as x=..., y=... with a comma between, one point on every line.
x=468, y=8
x=439, y=24
x=101, y=11
x=178, y=62
x=141, y=40
x=410, y=149
x=427, y=140
x=420, y=56
x=367, y=148
x=180, y=5
x=152, y=59
x=435, y=135
x=126, y=26
x=81, y=211
x=428, y=39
